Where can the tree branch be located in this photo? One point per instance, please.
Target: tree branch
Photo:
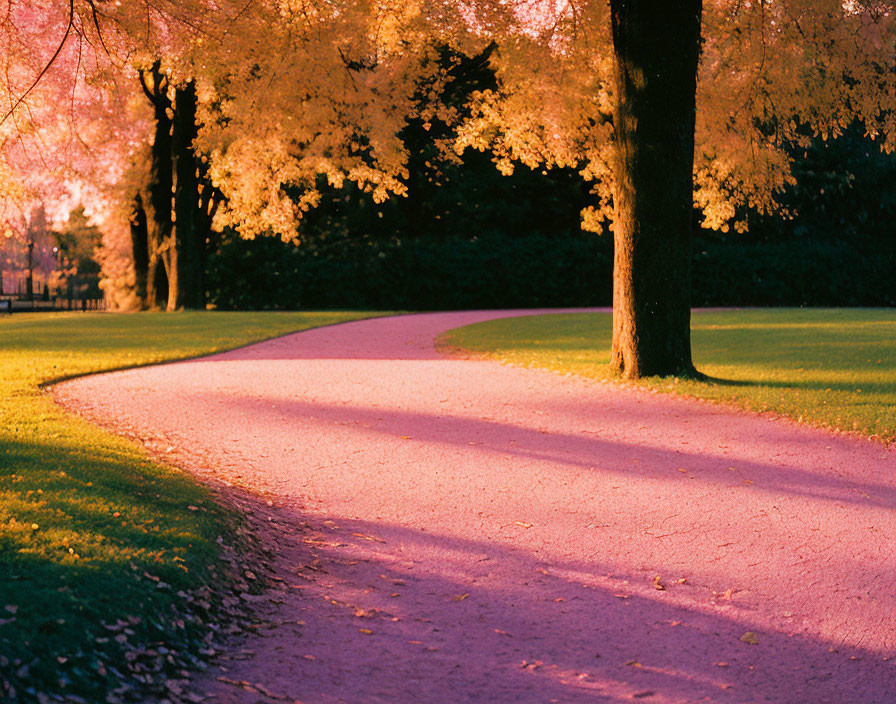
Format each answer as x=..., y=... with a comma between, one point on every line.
x=68, y=29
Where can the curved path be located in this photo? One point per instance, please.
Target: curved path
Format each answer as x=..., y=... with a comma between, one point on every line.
x=463, y=531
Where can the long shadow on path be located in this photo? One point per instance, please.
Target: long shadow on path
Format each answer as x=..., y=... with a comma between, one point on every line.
x=380, y=624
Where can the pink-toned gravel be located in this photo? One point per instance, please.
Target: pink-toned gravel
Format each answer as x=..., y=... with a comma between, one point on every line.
x=463, y=531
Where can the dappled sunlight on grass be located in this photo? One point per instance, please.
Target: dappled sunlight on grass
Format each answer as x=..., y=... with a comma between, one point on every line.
x=832, y=367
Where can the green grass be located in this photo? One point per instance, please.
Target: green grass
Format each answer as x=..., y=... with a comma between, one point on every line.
x=89, y=526
x=835, y=368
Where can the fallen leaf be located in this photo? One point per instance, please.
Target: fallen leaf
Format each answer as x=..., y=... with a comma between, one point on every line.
x=174, y=686
x=239, y=683
x=749, y=637
x=523, y=524
x=460, y=597
x=634, y=663
x=658, y=585
x=366, y=631
x=368, y=537
x=11, y=608
x=721, y=664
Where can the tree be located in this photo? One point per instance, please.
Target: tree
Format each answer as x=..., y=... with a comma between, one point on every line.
x=656, y=46
x=286, y=94
x=252, y=101
x=625, y=96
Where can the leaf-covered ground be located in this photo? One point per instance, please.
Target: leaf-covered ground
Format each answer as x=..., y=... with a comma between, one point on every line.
x=831, y=367
x=105, y=555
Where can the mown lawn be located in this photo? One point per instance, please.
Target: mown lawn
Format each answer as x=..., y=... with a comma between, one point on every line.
x=832, y=367
x=101, y=548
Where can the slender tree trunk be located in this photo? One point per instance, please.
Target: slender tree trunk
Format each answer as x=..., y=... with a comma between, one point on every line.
x=657, y=49
x=139, y=247
x=187, y=283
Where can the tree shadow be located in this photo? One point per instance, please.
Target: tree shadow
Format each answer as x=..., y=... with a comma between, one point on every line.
x=394, y=614
x=596, y=452
x=90, y=539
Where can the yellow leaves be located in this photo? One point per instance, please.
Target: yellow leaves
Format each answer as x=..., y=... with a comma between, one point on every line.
x=366, y=631
x=460, y=597
x=657, y=584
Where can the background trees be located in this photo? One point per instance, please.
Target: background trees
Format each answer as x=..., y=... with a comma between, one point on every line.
x=245, y=118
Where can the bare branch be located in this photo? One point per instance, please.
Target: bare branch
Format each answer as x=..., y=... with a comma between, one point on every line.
x=68, y=29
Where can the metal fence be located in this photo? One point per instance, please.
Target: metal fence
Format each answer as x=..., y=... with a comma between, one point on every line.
x=10, y=304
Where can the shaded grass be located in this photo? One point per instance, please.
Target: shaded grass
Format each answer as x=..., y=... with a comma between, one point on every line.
x=98, y=544
x=831, y=367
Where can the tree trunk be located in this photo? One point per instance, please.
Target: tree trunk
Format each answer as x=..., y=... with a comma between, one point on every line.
x=657, y=49
x=188, y=258
x=157, y=197
x=139, y=247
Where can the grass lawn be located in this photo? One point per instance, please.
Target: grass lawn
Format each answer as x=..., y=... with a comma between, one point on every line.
x=828, y=367
x=100, y=547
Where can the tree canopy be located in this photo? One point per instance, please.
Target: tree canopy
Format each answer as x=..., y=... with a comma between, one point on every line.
x=287, y=94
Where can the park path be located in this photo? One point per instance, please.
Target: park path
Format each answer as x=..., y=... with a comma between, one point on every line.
x=454, y=530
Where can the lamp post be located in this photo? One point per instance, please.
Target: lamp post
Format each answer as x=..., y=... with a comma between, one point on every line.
x=29, y=290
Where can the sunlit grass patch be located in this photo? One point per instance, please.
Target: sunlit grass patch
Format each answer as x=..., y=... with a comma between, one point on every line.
x=832, y=367
x=98, y=544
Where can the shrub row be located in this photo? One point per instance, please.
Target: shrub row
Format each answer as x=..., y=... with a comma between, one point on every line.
x=500, y=271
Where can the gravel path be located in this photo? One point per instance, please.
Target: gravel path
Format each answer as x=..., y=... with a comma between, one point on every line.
x=455, y=530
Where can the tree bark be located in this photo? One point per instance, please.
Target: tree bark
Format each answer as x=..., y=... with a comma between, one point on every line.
x=657, y=49
x=157, y=196
x=188, y=257
x=139, y=247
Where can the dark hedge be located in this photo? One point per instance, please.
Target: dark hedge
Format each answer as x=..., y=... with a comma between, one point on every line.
x=502, y=271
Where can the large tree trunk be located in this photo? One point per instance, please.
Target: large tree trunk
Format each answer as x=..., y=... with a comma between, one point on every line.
x=657, y=48
x=186, y=283
x=157, y=196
